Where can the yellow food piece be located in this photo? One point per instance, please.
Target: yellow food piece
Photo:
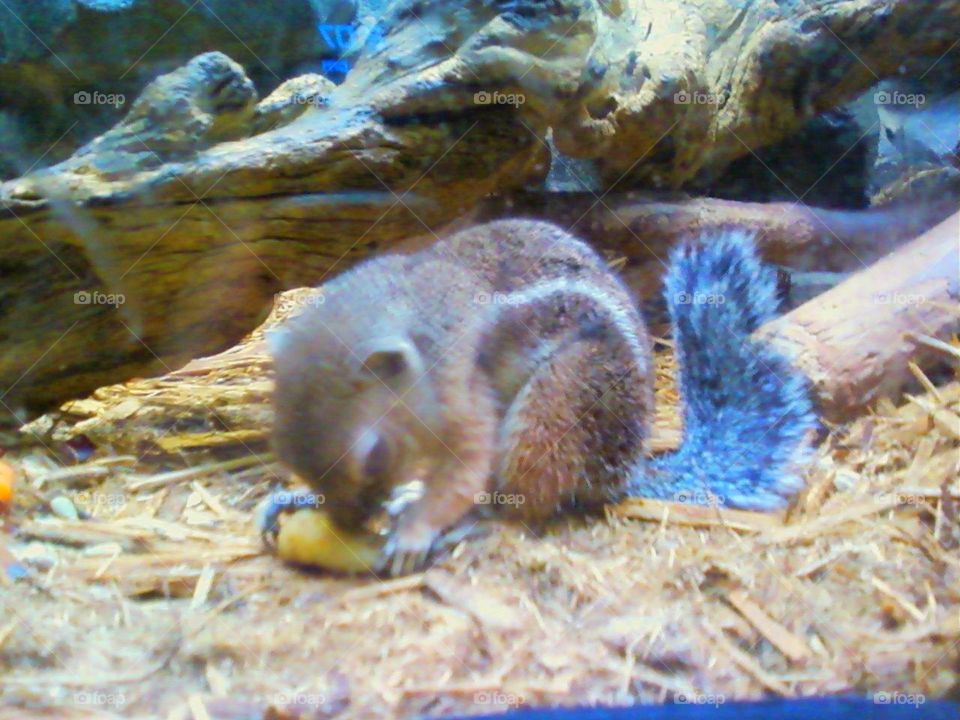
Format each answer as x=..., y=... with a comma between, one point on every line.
x=309, y=537
x=7, y=480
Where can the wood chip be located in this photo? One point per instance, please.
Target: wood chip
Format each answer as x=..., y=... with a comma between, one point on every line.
x=192, y=473
x=791, y=645
x=746, y=661
x=899, y=598
x=695, y=515
x=202, y=591
x=7, y=630
x=811, y=529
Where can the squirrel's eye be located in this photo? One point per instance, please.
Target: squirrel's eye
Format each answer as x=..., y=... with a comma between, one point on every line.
x=391, y=360
x=386, y=365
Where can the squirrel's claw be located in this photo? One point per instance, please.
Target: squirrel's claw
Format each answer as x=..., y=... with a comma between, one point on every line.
x=280, y=502
x=405, y=552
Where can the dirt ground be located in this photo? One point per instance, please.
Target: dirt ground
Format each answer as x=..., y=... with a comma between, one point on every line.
x=163, y=603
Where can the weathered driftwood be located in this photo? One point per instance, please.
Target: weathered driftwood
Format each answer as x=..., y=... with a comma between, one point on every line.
x=201, y=204
x=641, y=228
x=856, y=340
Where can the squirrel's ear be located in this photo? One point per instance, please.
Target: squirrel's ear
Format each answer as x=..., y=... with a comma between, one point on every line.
x=389, y=359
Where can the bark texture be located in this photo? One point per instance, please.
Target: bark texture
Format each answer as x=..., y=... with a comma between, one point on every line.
x=203, y=203
x=855, y=342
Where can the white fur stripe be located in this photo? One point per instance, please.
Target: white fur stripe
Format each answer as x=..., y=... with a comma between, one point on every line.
x=605, y=301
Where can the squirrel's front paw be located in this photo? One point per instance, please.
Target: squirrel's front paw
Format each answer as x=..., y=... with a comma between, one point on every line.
x=278, y=503
x=406, y=551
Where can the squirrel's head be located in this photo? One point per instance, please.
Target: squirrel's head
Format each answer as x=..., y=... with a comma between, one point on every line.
x=354, y=415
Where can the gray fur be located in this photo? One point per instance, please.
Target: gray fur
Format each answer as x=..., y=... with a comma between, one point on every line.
x=747, y=411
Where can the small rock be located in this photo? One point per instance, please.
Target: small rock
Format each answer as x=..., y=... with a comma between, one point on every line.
x=62, y=506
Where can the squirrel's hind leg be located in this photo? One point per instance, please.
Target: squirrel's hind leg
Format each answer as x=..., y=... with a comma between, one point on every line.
x=575, y=431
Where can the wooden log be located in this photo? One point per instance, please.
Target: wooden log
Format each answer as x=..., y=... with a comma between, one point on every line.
x=202, y=203
x=641, y=228
x=856, y=340
x=168, y=237
x=677, y=90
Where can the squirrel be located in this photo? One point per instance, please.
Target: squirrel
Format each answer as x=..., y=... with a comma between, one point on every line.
x=508, y=365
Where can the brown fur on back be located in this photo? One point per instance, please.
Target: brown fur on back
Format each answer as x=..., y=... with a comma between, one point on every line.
x=532, y=379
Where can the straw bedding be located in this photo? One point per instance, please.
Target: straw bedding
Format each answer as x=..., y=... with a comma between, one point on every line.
x=163, y=604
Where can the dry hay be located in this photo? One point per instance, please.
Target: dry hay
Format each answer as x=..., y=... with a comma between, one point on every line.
x=163, y=605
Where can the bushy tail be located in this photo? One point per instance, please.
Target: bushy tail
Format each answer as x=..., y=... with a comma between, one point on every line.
x=746, y=410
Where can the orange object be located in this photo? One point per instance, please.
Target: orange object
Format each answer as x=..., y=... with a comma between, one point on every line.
x=8, y=477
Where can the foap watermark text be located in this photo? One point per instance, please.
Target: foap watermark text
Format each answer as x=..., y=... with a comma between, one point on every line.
x=95, y=297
